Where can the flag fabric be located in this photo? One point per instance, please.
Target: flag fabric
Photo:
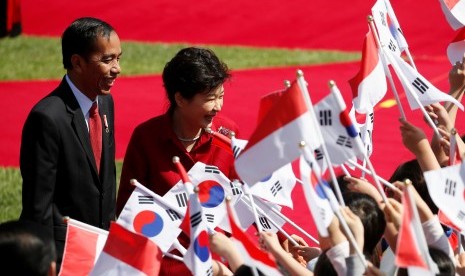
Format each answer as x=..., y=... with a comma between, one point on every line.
x=275, y=140
x=412, y=249
x=266, y=102
x=152, y=217
x=237, y=146
x=366, y=130
x=268, y=220
x=337, y=128
x=315, y=193
x=253, y=256
x=369, y=85
x=127, y=253
x=454, y=10
x=415, y=85
x=456, y=47
x=381, y=20
x=198, y=257
x=446, y=187
x=82, y=248
x=394, y=26
x=213, y=187
x=277, y=187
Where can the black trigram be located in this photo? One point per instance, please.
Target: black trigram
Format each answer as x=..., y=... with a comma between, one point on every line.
x=212, y=169
x=344, y=141
x=209, y=271
x=372, y=117
x=181, y=199
x=318, y=154
x=325, y=118
x=420, y=85
x=461, y=215
x=236, y=151
x=264, y=222
x=173, y=215
x=392, y=46
x=210, y=217
x=276, y=188
x=382, y=18
x=146, y=199
x=234, y=189
x=450, y=187
x=196, y=219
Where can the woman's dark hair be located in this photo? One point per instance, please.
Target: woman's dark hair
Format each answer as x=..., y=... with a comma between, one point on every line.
x=411, y=170
x=323, y=266
x=192, y=71
x=79, y=38
x=372, y=217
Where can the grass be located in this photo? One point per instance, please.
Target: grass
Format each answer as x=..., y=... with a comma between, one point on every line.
x=29, y=58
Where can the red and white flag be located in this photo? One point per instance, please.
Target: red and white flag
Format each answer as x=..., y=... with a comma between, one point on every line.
x=253, y=256
x=127, y=253
x=198, y=257
x=369, y=85
x=150, y=215
x=275, y=140
x=456, y=47
x=416, y=86
x=412, y=249
x=454, y=10
x=82, y=248
x=277, y=187
x=446, y=187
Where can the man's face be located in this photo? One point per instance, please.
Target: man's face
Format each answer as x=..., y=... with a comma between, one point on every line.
x=101, y=67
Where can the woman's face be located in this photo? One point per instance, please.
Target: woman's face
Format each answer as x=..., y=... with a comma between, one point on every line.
x=203, y=107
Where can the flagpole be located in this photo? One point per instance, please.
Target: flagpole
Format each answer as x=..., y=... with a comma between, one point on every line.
x=357, y=139
x=291, y=239
x=363, y=169
x=344, y=170
x=452, y=146
x=253, y=207
x=303, y=88
x=174, y=257
x=84, y=226
x=386, y=67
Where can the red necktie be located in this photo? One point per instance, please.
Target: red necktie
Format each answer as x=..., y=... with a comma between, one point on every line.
x=95, y=132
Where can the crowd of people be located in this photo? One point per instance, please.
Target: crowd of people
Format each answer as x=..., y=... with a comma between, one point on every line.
x=68, y=168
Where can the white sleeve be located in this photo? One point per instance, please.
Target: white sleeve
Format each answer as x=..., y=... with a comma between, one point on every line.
x=337, y=256
x=435, y=236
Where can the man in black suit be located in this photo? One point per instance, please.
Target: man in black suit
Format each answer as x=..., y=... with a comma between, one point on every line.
x=67, y=157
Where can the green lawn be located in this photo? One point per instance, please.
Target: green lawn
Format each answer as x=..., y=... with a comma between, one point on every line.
x=27, y=58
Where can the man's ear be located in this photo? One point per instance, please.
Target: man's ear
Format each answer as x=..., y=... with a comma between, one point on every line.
x=77, y=62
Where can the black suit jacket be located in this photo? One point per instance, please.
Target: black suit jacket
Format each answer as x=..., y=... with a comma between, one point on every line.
x=58, y=167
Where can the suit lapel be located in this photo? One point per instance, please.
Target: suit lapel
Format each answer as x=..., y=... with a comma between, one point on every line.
x=78, y=122
x=104, y=115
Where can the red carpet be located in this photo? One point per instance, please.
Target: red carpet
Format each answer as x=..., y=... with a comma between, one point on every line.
x=317, y=24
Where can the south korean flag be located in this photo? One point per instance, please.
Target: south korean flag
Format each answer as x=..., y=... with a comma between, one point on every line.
x=447, y=189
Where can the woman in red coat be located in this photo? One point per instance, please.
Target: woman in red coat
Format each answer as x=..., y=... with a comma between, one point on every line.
x=193, y=81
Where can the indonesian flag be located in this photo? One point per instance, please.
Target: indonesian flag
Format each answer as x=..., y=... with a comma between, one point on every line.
x=447, y=190
x=150, y=215
x=253, y=256
x=275, y=140
x=456, y=48
x=315, y=192
x=381, y=19
x=454, y=10
x=127, y=253
x=369, y=85
x=82, y=248
x=415, y=85
x=412, y=249
x=337, y=128
x=213, y=187
x=277, y=187
x=198, y=258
